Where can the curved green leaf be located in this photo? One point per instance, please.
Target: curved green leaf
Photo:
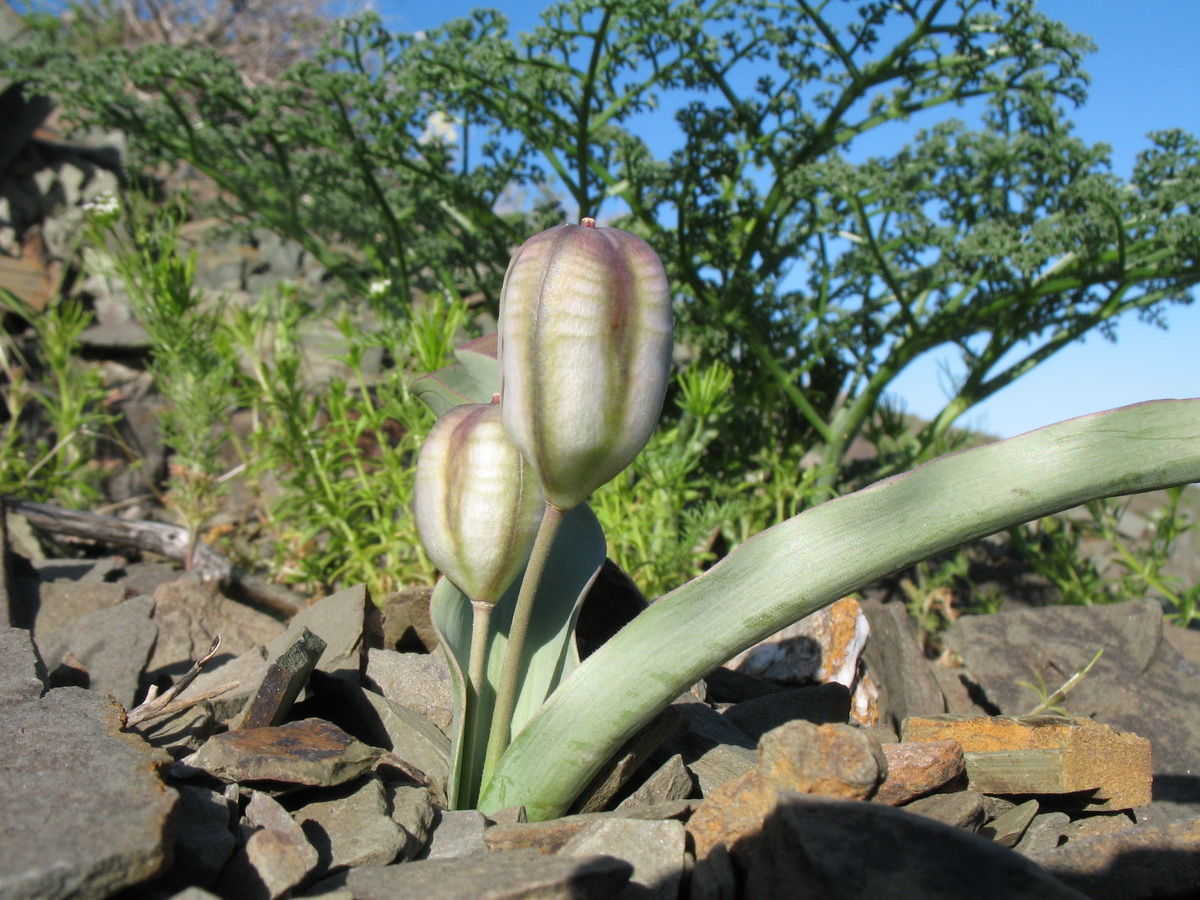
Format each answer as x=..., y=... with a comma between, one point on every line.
x=550, y=652
x=801, y=565
x=475, y=378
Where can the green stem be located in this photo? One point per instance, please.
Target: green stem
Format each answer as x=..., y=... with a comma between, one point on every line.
x=506, y=694
x=481, y=620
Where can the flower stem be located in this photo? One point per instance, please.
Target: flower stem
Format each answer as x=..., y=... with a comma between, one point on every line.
x=481, y=618
x=510, y=673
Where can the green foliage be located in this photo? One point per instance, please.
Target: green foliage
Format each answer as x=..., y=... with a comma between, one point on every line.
x=1064, y=551
x=54, y=407
x=192, y=363
x=815, y=275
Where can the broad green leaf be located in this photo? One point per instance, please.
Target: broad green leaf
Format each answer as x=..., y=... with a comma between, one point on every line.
x=550, y=652
x=811, y=560
x=474, y=378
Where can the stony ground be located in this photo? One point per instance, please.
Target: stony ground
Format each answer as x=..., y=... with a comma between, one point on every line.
x=834, y=760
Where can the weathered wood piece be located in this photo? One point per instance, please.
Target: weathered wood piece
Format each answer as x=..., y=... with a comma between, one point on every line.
x=165, y=540
x=1045, y=755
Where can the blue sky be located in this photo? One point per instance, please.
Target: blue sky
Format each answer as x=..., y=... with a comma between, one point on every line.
x=1144, y=78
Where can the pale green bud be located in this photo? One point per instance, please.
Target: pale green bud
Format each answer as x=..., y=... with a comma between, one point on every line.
x=585, y=354
x=477, y=504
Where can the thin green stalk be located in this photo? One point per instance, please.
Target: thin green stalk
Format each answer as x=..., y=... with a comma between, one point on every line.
x=481, y=621
x=506, y=693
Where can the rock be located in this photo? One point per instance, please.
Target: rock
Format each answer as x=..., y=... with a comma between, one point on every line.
x=274, y=858
x=340, y=620
x=1097, y=824
x=653, y=848
x=414, y=811
x=378, y=721
x=841, y=850
x=1045, y=832
x=959, y=809
x=85, y=811
x=352, y=826
x=246, y=669
x=189, y=614
x=672, y=781
x=1008, y=828
x=517, y=875
x=283, y=680
x=1140, y=863
x=1046, y=755
x=181, y=734
x=62, y=602
x=420, y=681
x=714, y=877
x=714, y=749
x=893, y=655
x=1139, y=685
x=22, y=673
x=406, y=623
x=832, y=760
x=308, y=752
x=204, y=841
x=823, y=647
x=114, y=644
x=915, y=769
x=544, y=837
x=727, y=685
x=456, y=833
x=819, y=704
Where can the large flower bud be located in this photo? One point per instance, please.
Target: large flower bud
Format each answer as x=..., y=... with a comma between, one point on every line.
x=477, y=504
x=585, y=354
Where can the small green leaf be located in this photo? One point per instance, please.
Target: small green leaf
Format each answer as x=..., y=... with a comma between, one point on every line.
x=475, y=378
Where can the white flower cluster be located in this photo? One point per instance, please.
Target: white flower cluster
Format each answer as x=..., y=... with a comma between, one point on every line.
x=105, y=208
x=379, y=287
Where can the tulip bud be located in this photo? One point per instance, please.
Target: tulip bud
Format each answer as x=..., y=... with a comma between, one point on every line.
x=476, y=503
x=585, y=354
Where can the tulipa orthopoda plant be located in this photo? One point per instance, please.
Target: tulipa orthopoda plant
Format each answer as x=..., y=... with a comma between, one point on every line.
x=576, y=716
x=585, y=354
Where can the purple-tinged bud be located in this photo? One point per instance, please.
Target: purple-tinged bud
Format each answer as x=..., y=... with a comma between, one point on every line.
x=477, y=504
x=585, y=354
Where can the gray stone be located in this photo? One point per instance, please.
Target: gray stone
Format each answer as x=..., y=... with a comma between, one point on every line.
x=1008, y=827
x=820, y=704
x=62, y=602
x=308, y=752
x=519, y=875
x=274, y=858
x=113, y=644
x=894, y=658
x=414, y=811
x=959, y=809
x=380, y=722
x=1139, y=685
x=844, y=850
x=340, y=620
x=611, y=778
x=672, y=781
x=1146, y=862
x=714, y=877
x=654, y=849
x=714, y=749
x=284, y=678
x=85, y=811
x=204, y=842
x=456, y=833
x=1045, y=832
x=189, y=614
x=181, y=734
x=22, y=674
x=246, y=669
x=420, y=681
x=352, y=826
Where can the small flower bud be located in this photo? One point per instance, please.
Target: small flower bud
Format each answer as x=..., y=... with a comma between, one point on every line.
x=476, y=503
x=585, y=354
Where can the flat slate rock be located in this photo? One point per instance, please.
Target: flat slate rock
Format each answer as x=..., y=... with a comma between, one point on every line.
x=815, y=847
x=114, y=645
x=499, y=876
x=22, y=674
x=1141, y=684
x=84, y=809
